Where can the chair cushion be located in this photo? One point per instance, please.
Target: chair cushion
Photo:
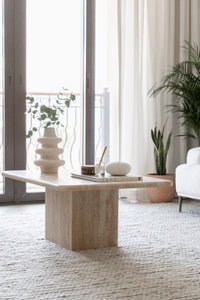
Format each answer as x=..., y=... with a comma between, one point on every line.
x=188, y=180
x=193, y=156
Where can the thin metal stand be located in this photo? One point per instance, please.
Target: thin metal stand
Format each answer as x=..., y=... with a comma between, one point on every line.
x=180, y=203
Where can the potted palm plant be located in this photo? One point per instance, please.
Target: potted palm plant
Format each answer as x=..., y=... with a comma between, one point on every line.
x=183, y=82
x=161, y=194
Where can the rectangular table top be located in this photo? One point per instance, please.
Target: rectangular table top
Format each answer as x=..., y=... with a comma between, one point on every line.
x=64, y=182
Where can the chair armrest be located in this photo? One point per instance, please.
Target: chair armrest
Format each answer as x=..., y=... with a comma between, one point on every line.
x=187, y=180
x=193, y=156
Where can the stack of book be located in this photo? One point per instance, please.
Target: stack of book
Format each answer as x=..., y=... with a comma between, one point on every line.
x=106, y=177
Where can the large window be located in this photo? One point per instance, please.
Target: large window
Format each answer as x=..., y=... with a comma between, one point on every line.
x=101, y=79
x=1, y=100
x=53, y=60
x=48, y=45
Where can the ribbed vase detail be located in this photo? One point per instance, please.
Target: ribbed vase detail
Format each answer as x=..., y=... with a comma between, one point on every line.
x=49, y=152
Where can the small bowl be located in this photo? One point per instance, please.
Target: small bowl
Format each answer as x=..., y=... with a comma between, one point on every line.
x=88, y=170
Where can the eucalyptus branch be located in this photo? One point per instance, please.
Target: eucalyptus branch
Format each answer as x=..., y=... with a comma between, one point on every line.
x=45, y=115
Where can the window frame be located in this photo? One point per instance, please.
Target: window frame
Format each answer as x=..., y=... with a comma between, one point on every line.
x=15, y=91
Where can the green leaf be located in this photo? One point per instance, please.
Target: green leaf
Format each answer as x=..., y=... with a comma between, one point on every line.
x=67, y=103
x=168, y=144
x=48, y=124
x=160, y=150
x=30, y=99
x=43, y=108
x=72, y=97
x=153, y=136
x=61, y=110
x=43, y=116
x=29, y=134
x=183, y=82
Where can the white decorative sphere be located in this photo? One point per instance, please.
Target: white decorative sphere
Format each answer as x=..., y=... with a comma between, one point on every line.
x=118, y=168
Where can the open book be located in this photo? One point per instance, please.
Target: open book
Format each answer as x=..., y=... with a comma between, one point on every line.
x=106, y=177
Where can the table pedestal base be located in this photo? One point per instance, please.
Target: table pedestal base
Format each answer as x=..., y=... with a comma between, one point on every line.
x=82, y=219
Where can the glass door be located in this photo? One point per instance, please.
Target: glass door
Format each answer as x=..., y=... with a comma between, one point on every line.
x=46, y=46
x=102, y=99
x=2, y=145
x=7, y=83
x=53, y=66
x=12, y=95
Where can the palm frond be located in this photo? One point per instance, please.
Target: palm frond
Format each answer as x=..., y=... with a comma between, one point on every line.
x=183, y=82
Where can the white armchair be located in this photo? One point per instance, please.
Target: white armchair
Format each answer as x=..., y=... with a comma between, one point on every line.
x=188, y=177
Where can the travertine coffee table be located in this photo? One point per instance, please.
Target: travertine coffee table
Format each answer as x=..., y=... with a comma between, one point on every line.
x=81, y=214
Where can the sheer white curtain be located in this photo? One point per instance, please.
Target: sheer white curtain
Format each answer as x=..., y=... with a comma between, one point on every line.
x=145, y=39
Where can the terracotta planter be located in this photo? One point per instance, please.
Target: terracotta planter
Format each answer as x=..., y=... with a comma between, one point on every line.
x=162, y=194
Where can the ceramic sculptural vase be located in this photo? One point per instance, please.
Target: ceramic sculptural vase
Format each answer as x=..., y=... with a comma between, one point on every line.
x=49, y=152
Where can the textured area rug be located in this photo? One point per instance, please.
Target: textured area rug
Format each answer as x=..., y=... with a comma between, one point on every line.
x=158, y=257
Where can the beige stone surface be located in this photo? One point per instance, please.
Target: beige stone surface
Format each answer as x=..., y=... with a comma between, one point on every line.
x=64, y=182
x=81, y=214
x=82, y=220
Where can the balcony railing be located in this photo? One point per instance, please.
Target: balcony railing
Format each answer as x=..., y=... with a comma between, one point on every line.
x=71, y=133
